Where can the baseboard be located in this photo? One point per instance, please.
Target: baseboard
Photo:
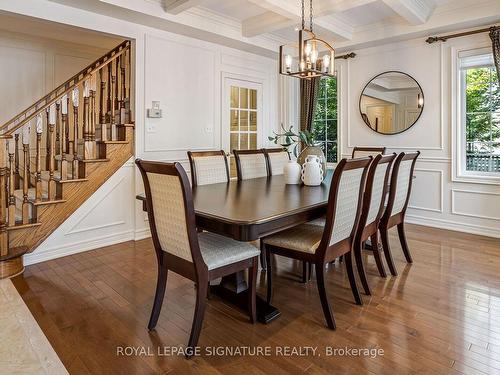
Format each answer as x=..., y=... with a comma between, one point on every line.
x=141, y=234
x=77, y=247
x=452, y=225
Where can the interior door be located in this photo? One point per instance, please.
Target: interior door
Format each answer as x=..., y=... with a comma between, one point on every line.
x=242, y=117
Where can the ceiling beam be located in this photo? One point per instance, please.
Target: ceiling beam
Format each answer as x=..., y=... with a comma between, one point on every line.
x=416, y=12
x=178, y=6
x=282, y=13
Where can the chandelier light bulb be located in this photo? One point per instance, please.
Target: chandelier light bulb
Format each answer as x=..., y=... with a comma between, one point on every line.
x=326, y=63
x=314, y=56
x=288, y=63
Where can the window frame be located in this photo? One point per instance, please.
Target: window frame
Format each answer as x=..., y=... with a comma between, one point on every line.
x=326, y=119
x=459, y=123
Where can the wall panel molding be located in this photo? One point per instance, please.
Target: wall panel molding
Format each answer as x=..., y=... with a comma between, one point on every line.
x=440, y=209
x=455, y=211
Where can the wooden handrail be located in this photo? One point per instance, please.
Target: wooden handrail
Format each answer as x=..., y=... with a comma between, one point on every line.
x=32, y=111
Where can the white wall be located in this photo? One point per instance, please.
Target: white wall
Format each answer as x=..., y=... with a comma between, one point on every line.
x=185, y=75
x=32, y=66
x=436, y=200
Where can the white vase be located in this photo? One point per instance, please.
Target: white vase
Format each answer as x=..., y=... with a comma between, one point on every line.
x=312, y=172
x=292, y=171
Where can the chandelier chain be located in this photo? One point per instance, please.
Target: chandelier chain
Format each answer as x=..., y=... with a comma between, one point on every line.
x=303, y=16
x=310, y=15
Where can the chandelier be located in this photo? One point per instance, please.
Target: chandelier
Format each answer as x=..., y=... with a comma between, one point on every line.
x=303, y=60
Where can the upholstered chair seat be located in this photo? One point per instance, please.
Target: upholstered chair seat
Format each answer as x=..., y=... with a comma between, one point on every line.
x=218, y=251
x=305, y=238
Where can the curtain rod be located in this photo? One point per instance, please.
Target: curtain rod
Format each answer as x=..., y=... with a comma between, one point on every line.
x=351, y=55
x=444, y=38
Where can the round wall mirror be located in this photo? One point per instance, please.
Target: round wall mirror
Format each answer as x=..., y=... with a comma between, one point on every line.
x=391, y=102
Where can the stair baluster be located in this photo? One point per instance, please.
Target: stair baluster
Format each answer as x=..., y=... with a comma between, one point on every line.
x=38, y=158
x=102, y=112
x=112, y=116
x=87, y=145
x=64, y=137
x=16, y=161
x=26, y=172
x=123, y=111
x=12, y=183
x=4, y=240
x=51, y=189
x=76, y=100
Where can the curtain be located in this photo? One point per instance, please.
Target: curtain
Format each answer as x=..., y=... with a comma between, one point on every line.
x=495, y=39
x=309, y=89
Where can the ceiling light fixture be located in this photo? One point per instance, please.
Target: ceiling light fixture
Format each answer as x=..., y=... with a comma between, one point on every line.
x=303, y=60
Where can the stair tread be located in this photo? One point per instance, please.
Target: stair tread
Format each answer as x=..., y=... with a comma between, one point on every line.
x=113, y=142
x=20, y=225
x=57, y=175
x=94, y=160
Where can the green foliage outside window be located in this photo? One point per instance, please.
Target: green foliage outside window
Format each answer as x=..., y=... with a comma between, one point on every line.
x=482, y=101
x=325, y=124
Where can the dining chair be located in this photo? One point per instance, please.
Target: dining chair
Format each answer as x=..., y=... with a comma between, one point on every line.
x=251, y=164
x=360, y=152
x=373, y=207
x=200, y=257
x=397, y=203
x=320, y=245
x=276, y=159
x=208, y=167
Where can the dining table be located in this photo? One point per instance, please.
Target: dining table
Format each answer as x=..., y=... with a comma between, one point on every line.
x=249, y=210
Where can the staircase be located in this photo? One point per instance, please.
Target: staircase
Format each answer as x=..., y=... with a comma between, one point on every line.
x=60, y=150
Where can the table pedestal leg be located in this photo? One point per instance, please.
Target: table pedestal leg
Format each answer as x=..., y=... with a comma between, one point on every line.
x=234, y=289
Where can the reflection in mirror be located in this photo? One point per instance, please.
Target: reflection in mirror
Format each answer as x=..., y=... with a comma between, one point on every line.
x=391, y=103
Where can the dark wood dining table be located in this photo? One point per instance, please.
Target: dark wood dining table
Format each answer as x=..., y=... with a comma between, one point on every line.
x=249, y=210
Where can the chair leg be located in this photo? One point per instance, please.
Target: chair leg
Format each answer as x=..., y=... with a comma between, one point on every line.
x=404, y=244
x=309, y=270
x=161, y=284
x=358, y=248
x=263, y=255
x=305, y=275
x=269, y=280
x=384, y=236
x=199, y=312
x=325, y=304
x=376, y=255
x=352, y=279
x=252, y=286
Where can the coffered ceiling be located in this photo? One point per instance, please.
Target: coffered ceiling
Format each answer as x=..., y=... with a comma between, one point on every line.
x=264, y=24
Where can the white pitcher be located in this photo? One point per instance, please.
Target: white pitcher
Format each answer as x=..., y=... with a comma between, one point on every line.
x=312, y=172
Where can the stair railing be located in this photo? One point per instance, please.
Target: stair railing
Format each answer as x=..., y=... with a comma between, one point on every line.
x=49, y=141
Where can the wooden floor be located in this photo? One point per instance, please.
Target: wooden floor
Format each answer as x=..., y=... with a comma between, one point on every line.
x=441, y=315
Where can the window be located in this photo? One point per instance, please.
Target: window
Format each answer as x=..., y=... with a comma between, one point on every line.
x=325, y=120
x=480, y=117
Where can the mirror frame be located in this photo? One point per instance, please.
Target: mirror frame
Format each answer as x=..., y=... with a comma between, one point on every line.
x=378, y=75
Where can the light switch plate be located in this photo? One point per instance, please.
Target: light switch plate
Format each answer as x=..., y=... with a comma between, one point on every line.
x=154, y=113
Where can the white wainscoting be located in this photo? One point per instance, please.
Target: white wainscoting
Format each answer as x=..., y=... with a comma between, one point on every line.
x=106, y=218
